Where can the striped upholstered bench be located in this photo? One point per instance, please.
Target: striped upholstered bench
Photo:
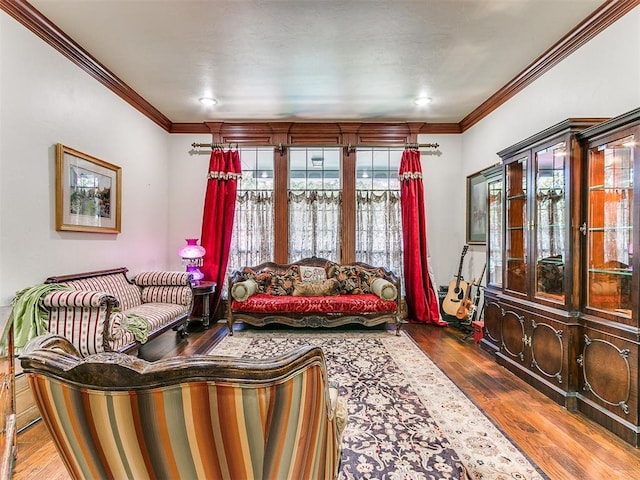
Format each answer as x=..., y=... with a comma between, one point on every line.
x=195, y=417
x=103, y=311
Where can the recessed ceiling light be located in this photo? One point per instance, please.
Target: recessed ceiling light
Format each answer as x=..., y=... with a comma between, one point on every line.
x=422, y=101
x=208, y=101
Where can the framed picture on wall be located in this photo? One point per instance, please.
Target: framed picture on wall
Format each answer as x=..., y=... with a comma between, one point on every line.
x=88, y=193
x=476, y=209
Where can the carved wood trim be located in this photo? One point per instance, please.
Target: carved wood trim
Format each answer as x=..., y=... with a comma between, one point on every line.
x=347, y=252
x=83, y=275
x=55, y=357
x=193, y=128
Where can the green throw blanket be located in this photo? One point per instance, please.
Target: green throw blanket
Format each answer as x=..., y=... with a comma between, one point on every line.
x=28, y=315
x=139, y=326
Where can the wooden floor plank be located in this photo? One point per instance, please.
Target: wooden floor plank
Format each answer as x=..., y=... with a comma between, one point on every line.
x=565, y=445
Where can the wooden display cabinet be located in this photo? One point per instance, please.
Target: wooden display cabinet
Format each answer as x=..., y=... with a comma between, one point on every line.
x=566, y=319
x=531, y=317
x=608, y=350
x=492, y=313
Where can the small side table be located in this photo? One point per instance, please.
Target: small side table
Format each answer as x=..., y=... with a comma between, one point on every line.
x=204, y=289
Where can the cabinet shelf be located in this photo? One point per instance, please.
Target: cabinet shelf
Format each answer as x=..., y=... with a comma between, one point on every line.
x=614, y=228
x=602, y=188
x=625, y=272
x=551, y=261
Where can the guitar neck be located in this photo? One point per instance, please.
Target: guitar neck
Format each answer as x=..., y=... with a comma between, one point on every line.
x=459, y=275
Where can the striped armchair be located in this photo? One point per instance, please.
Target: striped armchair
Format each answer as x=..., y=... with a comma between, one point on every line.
x=112, y=415
x=103, y=311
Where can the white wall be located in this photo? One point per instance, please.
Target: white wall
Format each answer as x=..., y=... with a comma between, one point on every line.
x=188, y=174
x=2, y=203
x=444, y=203
x=45, y=99
x=601, y=79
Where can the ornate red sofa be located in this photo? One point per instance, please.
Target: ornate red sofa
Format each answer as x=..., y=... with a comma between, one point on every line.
x=313, y=292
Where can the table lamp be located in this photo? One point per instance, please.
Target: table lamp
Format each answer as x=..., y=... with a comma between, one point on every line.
x=191, y=255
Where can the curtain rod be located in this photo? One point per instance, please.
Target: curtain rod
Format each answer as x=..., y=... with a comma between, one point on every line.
x=350, y=147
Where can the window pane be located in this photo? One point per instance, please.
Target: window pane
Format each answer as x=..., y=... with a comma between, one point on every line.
x=314, y=203
x=378, y=216
x=252, y=239
x=314, y=169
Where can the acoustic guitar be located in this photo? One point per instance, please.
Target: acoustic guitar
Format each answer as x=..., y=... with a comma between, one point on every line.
x=476, y=300
x=465, y=305
x=457, y=289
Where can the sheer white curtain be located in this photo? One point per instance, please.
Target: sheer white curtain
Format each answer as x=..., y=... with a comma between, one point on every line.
x=314, y=224
x=252, y=240
x=379, y=229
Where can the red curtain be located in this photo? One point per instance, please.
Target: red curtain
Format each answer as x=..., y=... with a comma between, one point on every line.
x=422, y=301
x=218, y=214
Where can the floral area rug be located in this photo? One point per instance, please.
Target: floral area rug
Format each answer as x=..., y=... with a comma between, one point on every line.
x=407, y=420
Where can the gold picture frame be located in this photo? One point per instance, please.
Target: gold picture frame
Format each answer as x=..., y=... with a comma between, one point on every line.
x=88, y=193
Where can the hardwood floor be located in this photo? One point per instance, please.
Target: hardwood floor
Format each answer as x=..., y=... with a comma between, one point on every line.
x=565, y=445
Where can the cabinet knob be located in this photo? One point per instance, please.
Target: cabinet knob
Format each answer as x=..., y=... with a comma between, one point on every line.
x=583, y=228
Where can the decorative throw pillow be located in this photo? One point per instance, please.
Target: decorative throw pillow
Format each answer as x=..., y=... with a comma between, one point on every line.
x=348, y=277
x=384, y=289
x=282, y=284
x=262, y=278
x=317, y=289
x=240, y=291
x=312, y=274
x=367, y=276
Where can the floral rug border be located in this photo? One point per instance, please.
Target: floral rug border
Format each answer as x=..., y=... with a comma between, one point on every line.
x=445, y=428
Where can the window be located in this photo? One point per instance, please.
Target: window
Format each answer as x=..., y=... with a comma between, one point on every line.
x=314, y=207
x=314, y=200
x=252, y=240
x=378, y=214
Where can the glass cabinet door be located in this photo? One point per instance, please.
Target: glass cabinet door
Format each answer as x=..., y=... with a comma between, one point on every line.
x=494, y=232
x=550, y=214
x=609, y=227
x=517, y=225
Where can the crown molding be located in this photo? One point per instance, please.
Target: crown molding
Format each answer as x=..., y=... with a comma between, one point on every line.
x=30, y=17
x=599, y=20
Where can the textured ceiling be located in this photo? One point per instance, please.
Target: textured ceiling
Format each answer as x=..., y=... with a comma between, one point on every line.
x=303, y=60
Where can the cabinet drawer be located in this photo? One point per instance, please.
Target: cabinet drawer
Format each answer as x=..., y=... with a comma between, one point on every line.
x=541, y=350
x=492, y=338
x=608, y=373
x=550, y=348
x=513, y=335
